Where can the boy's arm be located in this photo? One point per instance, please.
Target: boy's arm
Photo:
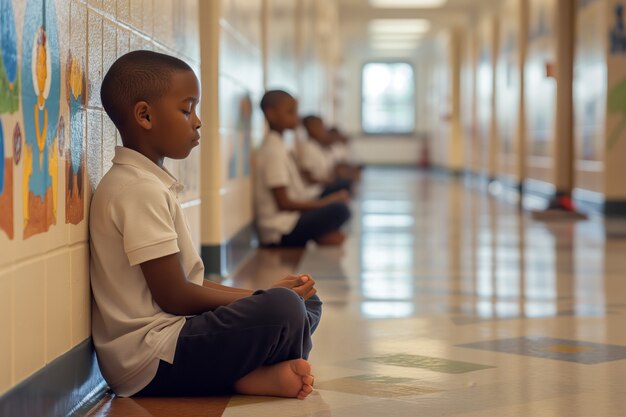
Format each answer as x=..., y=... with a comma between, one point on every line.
x=310, y=179
x=214, y=285
x=175, y=295
x=284, y=203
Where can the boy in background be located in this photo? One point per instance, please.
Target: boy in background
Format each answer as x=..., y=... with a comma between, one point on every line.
x=316, y=161
x=285, y=213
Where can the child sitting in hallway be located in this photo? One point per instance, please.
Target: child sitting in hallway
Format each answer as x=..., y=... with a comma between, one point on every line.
x=315, y=160
x=286, y=214
x=158, y=327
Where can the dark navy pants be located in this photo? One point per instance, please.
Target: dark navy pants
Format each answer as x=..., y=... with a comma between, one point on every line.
x=316, y=223
x=217, y=348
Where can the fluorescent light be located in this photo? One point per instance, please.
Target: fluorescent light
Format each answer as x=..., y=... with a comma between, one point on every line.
x=393, y=45
x=394, y=37
x=402, y=4
x=398, y=26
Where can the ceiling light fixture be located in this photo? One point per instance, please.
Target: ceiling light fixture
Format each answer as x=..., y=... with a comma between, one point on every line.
x=407, y=4
x=398, y=26
x=393, y=45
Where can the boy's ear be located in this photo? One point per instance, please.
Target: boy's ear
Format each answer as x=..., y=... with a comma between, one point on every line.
x=270, y=115
x=142, y=114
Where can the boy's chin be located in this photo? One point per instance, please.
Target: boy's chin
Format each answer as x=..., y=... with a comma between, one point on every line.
x=181, y=155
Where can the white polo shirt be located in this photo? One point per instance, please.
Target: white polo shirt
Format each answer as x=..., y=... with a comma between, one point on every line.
x=312, y=157
x=135, y=217
x=275, y=167
x=340, y=152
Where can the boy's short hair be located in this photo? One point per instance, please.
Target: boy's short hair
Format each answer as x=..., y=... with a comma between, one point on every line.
x=272, y=98
x=310, y=118
x=136, y=76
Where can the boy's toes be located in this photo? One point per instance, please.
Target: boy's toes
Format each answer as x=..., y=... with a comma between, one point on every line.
x=306, y=390
x=308, y=380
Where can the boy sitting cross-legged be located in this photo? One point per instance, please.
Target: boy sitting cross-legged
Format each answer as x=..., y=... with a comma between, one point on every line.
x=159, y=328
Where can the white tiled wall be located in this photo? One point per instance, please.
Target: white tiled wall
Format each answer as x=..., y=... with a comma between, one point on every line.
x=44, y=280
x=294, y=57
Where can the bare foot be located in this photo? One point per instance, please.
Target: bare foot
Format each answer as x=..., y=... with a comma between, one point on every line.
x=290, y=379
x=331, y=239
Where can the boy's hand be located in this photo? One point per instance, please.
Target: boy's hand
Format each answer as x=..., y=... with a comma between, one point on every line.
x=341, y=196
x=303, y=285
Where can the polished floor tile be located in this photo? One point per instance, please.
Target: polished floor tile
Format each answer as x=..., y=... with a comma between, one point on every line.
x=558, y=349
x=448, y=301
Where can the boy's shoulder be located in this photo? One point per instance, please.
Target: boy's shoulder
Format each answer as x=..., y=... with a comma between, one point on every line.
x=273, y=145
x=124, y=183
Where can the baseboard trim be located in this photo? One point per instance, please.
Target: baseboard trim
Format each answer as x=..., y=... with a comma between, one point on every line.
x=511, y=184
x=223, y=259
x=70, y=385
x=541, y=189
x=447, y=171
x=615, y=208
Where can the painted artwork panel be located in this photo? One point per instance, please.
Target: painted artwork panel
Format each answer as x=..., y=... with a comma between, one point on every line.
x=76, y=89
x=9, y=103
x=508, y=87
x=40, y=93
x=540, y=78
x=9, y=77
x=468, y=98
x=484, y=95
x=244, y=130
x=590, y=81
x=6, y=189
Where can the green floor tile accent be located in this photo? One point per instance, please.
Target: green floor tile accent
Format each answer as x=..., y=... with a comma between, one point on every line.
x=378, y=386
x=382, y=379
x=588, y=353
x=427, y=362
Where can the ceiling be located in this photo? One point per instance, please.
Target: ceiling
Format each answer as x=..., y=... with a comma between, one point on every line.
x=355, y=16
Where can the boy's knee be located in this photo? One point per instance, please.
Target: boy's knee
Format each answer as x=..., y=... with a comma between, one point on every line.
x=341, y=212
x=284, y=304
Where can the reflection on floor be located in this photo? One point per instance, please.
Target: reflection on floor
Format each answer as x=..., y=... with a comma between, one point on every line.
x=448, y=302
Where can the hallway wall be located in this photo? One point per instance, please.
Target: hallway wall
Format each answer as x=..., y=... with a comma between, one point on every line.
x=249, y=46
x=48, y=174
x=516, y=125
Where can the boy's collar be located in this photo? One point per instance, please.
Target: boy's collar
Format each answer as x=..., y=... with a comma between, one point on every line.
x=127, y=156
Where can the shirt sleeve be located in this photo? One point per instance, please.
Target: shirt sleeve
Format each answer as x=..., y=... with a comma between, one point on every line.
x=276, y=173
x=306, y=158
x=143, y=213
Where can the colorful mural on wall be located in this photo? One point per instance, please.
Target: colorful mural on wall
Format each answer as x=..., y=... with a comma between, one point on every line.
x=9, y=103
x=508, y=88
x=540, y=84
x=590, y=80
x=75, y=157
x=40, y=102
x=616, y=103
x=244, y=129
x=17, y=144
x=233, y=144
x=468, y=99
x=6, y=190
x=240, y=142
x=9, y=80
x=484, y=96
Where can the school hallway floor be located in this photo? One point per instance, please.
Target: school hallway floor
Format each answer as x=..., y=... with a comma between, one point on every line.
x=446, y=301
